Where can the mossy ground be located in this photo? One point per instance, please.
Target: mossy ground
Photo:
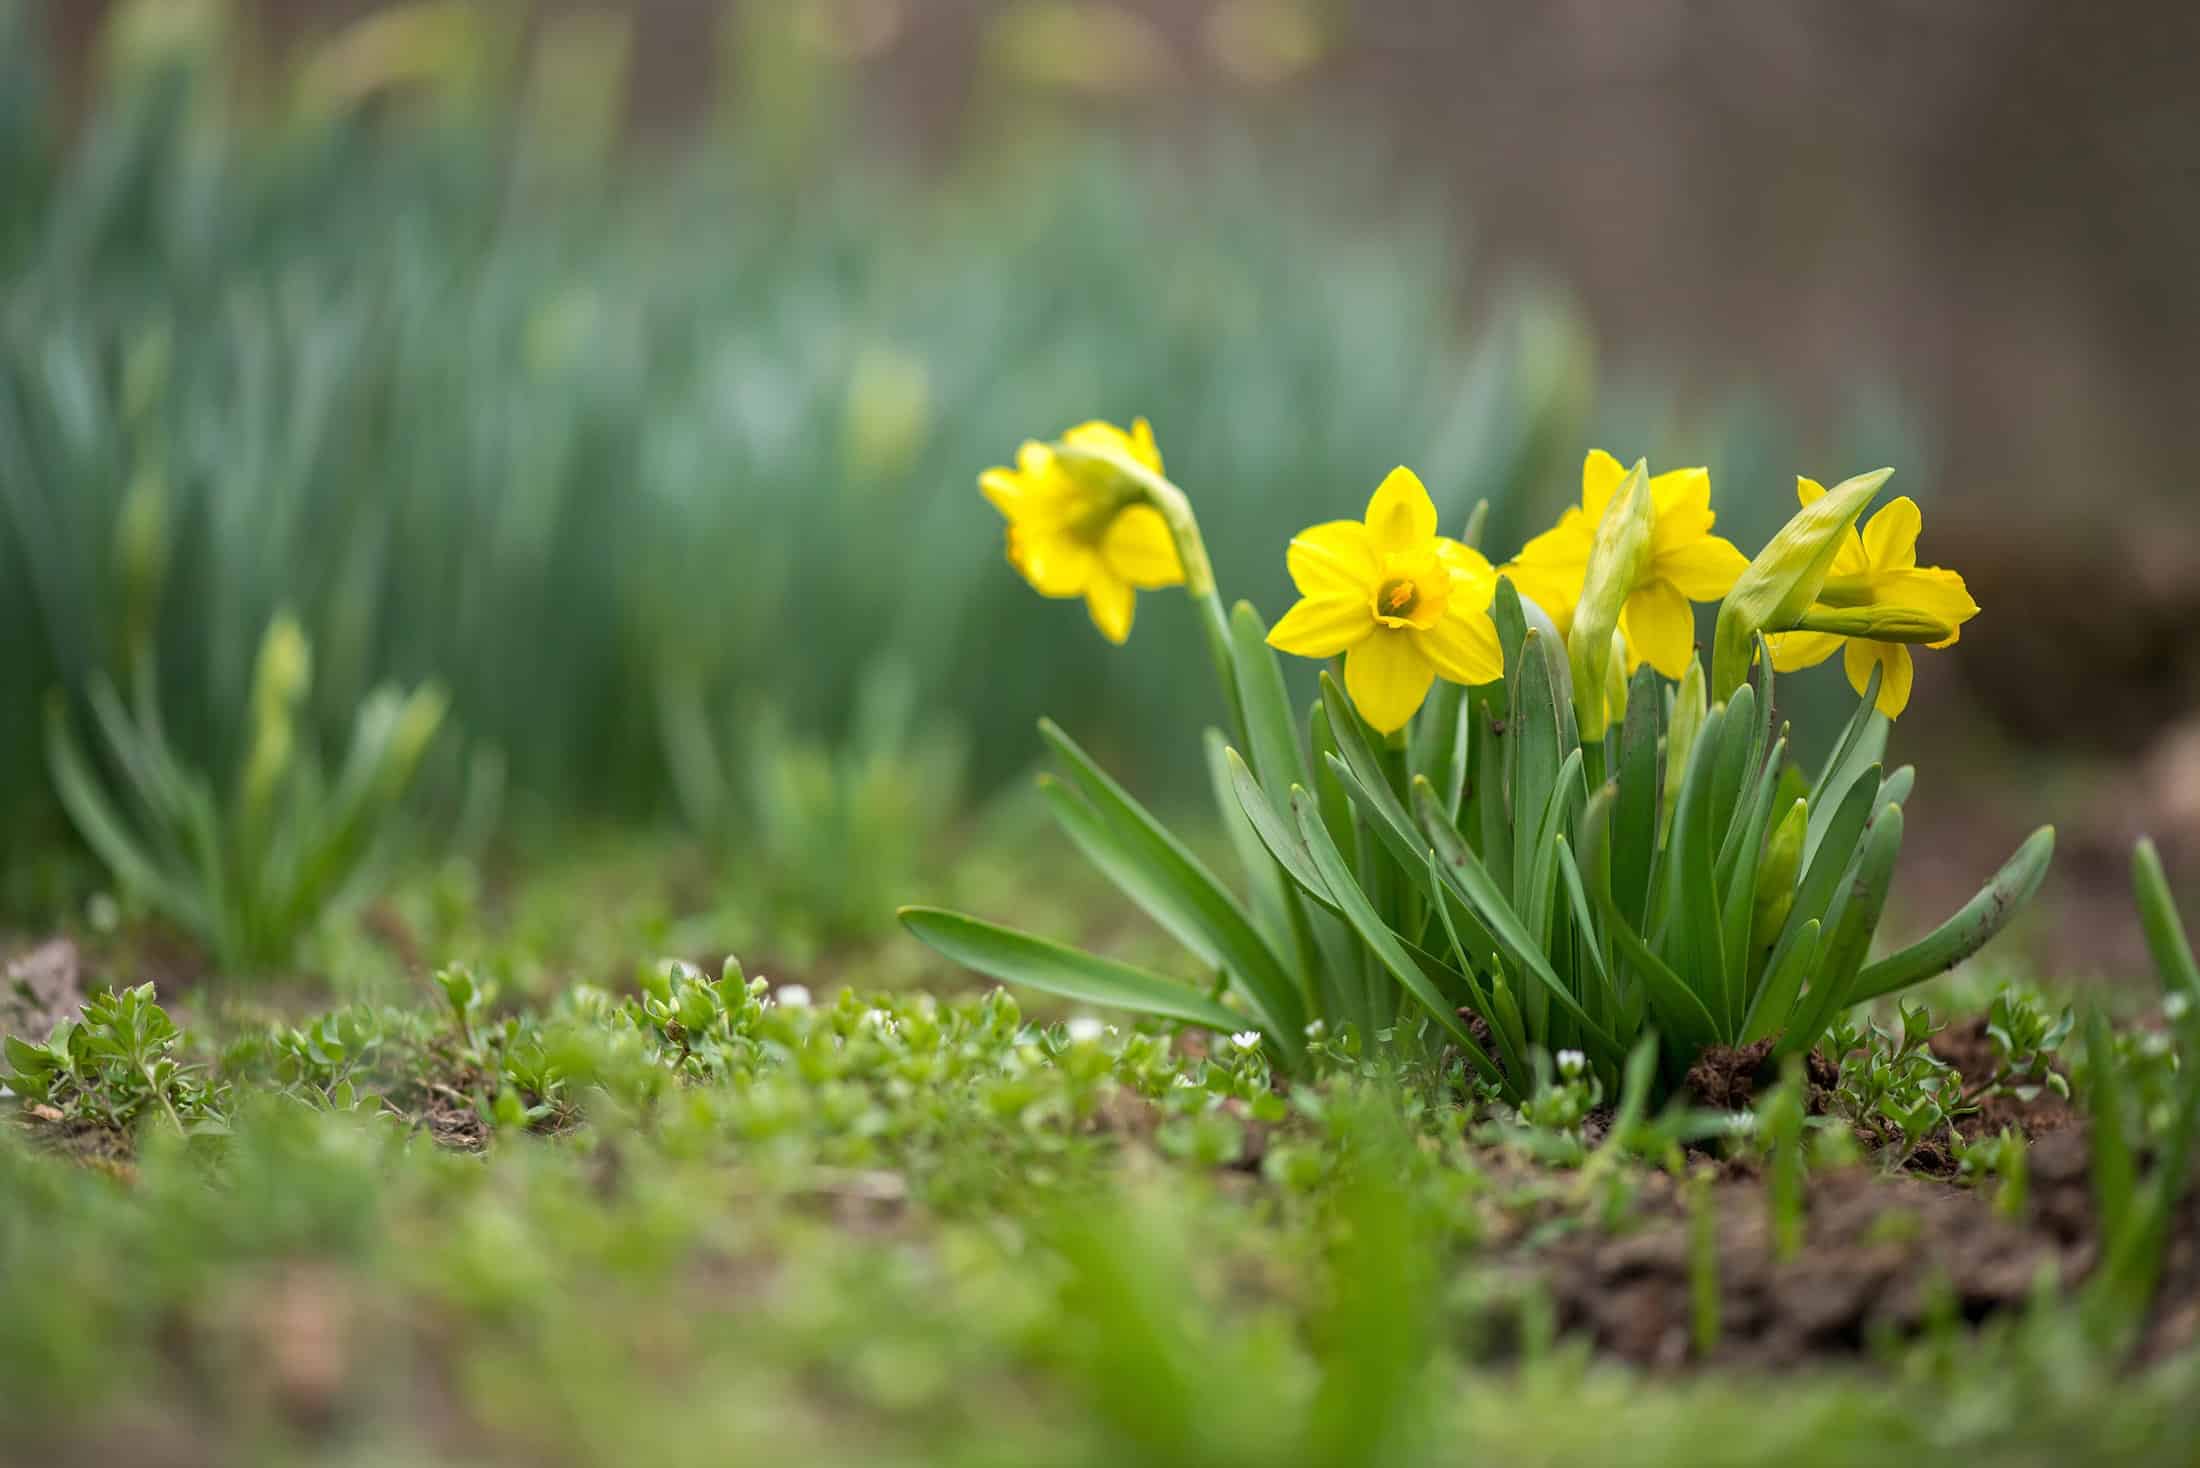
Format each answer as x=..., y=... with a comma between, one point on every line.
x=596, y=1220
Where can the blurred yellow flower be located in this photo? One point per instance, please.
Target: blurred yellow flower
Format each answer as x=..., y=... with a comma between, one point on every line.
x=1875, y=602
x=1076, y=529
x=1687, y=563
x=1402, y=603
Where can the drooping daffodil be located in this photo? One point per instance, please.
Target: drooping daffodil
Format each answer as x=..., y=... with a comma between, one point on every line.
x=1686, y=563
x=1876, y=601
x=1077, y=529
x=1403, y=604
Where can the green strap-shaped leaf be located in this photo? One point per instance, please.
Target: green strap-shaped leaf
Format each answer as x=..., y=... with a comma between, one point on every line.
x=1635, y=816
x=1275, y=754
x=1970, y=929
x=1680, y=1012
x=1850, y=925
x=1268, y=824
x=1463, y=873
x=1186, y=905
x=1376, y=934
x=2165, y=931
x=1688, y=937
x=1361, y=770
x=1019, y=958
x=1775, y=1001
x=1272, y=900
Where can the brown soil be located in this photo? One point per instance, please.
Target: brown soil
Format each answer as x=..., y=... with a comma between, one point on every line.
x=1881, y=1258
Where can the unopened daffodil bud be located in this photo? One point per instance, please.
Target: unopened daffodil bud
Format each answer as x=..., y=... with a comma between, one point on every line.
x=1874, y=604
x=1776, y=876
x=1617, y=556
x=1690, y=707
x=1780, y=585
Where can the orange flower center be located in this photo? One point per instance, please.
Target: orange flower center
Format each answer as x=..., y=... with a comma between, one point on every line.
x=1397, y=597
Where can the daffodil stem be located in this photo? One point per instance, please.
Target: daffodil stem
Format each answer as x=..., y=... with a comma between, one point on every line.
x=1175, y=508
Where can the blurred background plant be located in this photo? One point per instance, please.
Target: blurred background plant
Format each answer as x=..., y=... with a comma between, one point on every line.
x=569, y=355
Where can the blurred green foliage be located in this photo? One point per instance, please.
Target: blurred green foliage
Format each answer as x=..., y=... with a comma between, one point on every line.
x=561, y=437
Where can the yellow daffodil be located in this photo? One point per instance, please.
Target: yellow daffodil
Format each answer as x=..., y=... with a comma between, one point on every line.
x=1075, y=529
x=1875, y=602
x=1402, y=603
x=1686, y=563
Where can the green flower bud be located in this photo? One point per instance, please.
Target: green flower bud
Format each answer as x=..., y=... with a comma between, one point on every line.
x=1780, y=585
x=1616, y=561
x=1776, y=876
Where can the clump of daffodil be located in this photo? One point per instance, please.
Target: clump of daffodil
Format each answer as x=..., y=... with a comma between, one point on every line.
x=1400, y=602
x=1876, y=601
x=1685, y=563
x=1082, y=520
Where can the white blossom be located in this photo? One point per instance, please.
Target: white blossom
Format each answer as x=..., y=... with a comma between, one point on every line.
x=1246, y=1041
x=1571, y=1063
x=1085, y=1028
x=793, y=996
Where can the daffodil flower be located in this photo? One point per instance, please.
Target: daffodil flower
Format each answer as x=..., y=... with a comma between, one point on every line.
x=1686, y=563
x=1075, y=529
x=1402, y=603
x=1876, y=601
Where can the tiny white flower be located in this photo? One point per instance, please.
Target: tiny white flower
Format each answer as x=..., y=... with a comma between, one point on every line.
x=1247, y=1041
x=880, y=1020
x=1084, y=1029
x=1571, y=1063
x=793, y=996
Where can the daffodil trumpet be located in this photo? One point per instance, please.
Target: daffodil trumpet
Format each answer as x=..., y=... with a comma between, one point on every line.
x=1521, y=820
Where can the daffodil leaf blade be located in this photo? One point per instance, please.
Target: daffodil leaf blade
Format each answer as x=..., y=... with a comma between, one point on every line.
x=1358, y=766
x=1972, y=927
x=1275, y=755
x=1775, y=999
x=1463, y=872
x=1389, y=951
x=1020, y=958
x=1848, y=933
x=1171, y=885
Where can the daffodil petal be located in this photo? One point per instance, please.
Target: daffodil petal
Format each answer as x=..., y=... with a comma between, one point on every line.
x=1473, y=579
x=1322, y=627
x=1463, y=646
x=1660, y=627
x=1794, y=651
x=1556, y=592
x=1401, y=516
x=1388, y=676
x=1334, y=559
x=1143, y=447
x=1808, y=490
x=1934, y=590
x=1890, y=539
x=1682, y=492
x=1901, y=672
x=1112, y=603
x=1139, y=548
x=1600, y=475
x=1704, y=569
x=1056, y=564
